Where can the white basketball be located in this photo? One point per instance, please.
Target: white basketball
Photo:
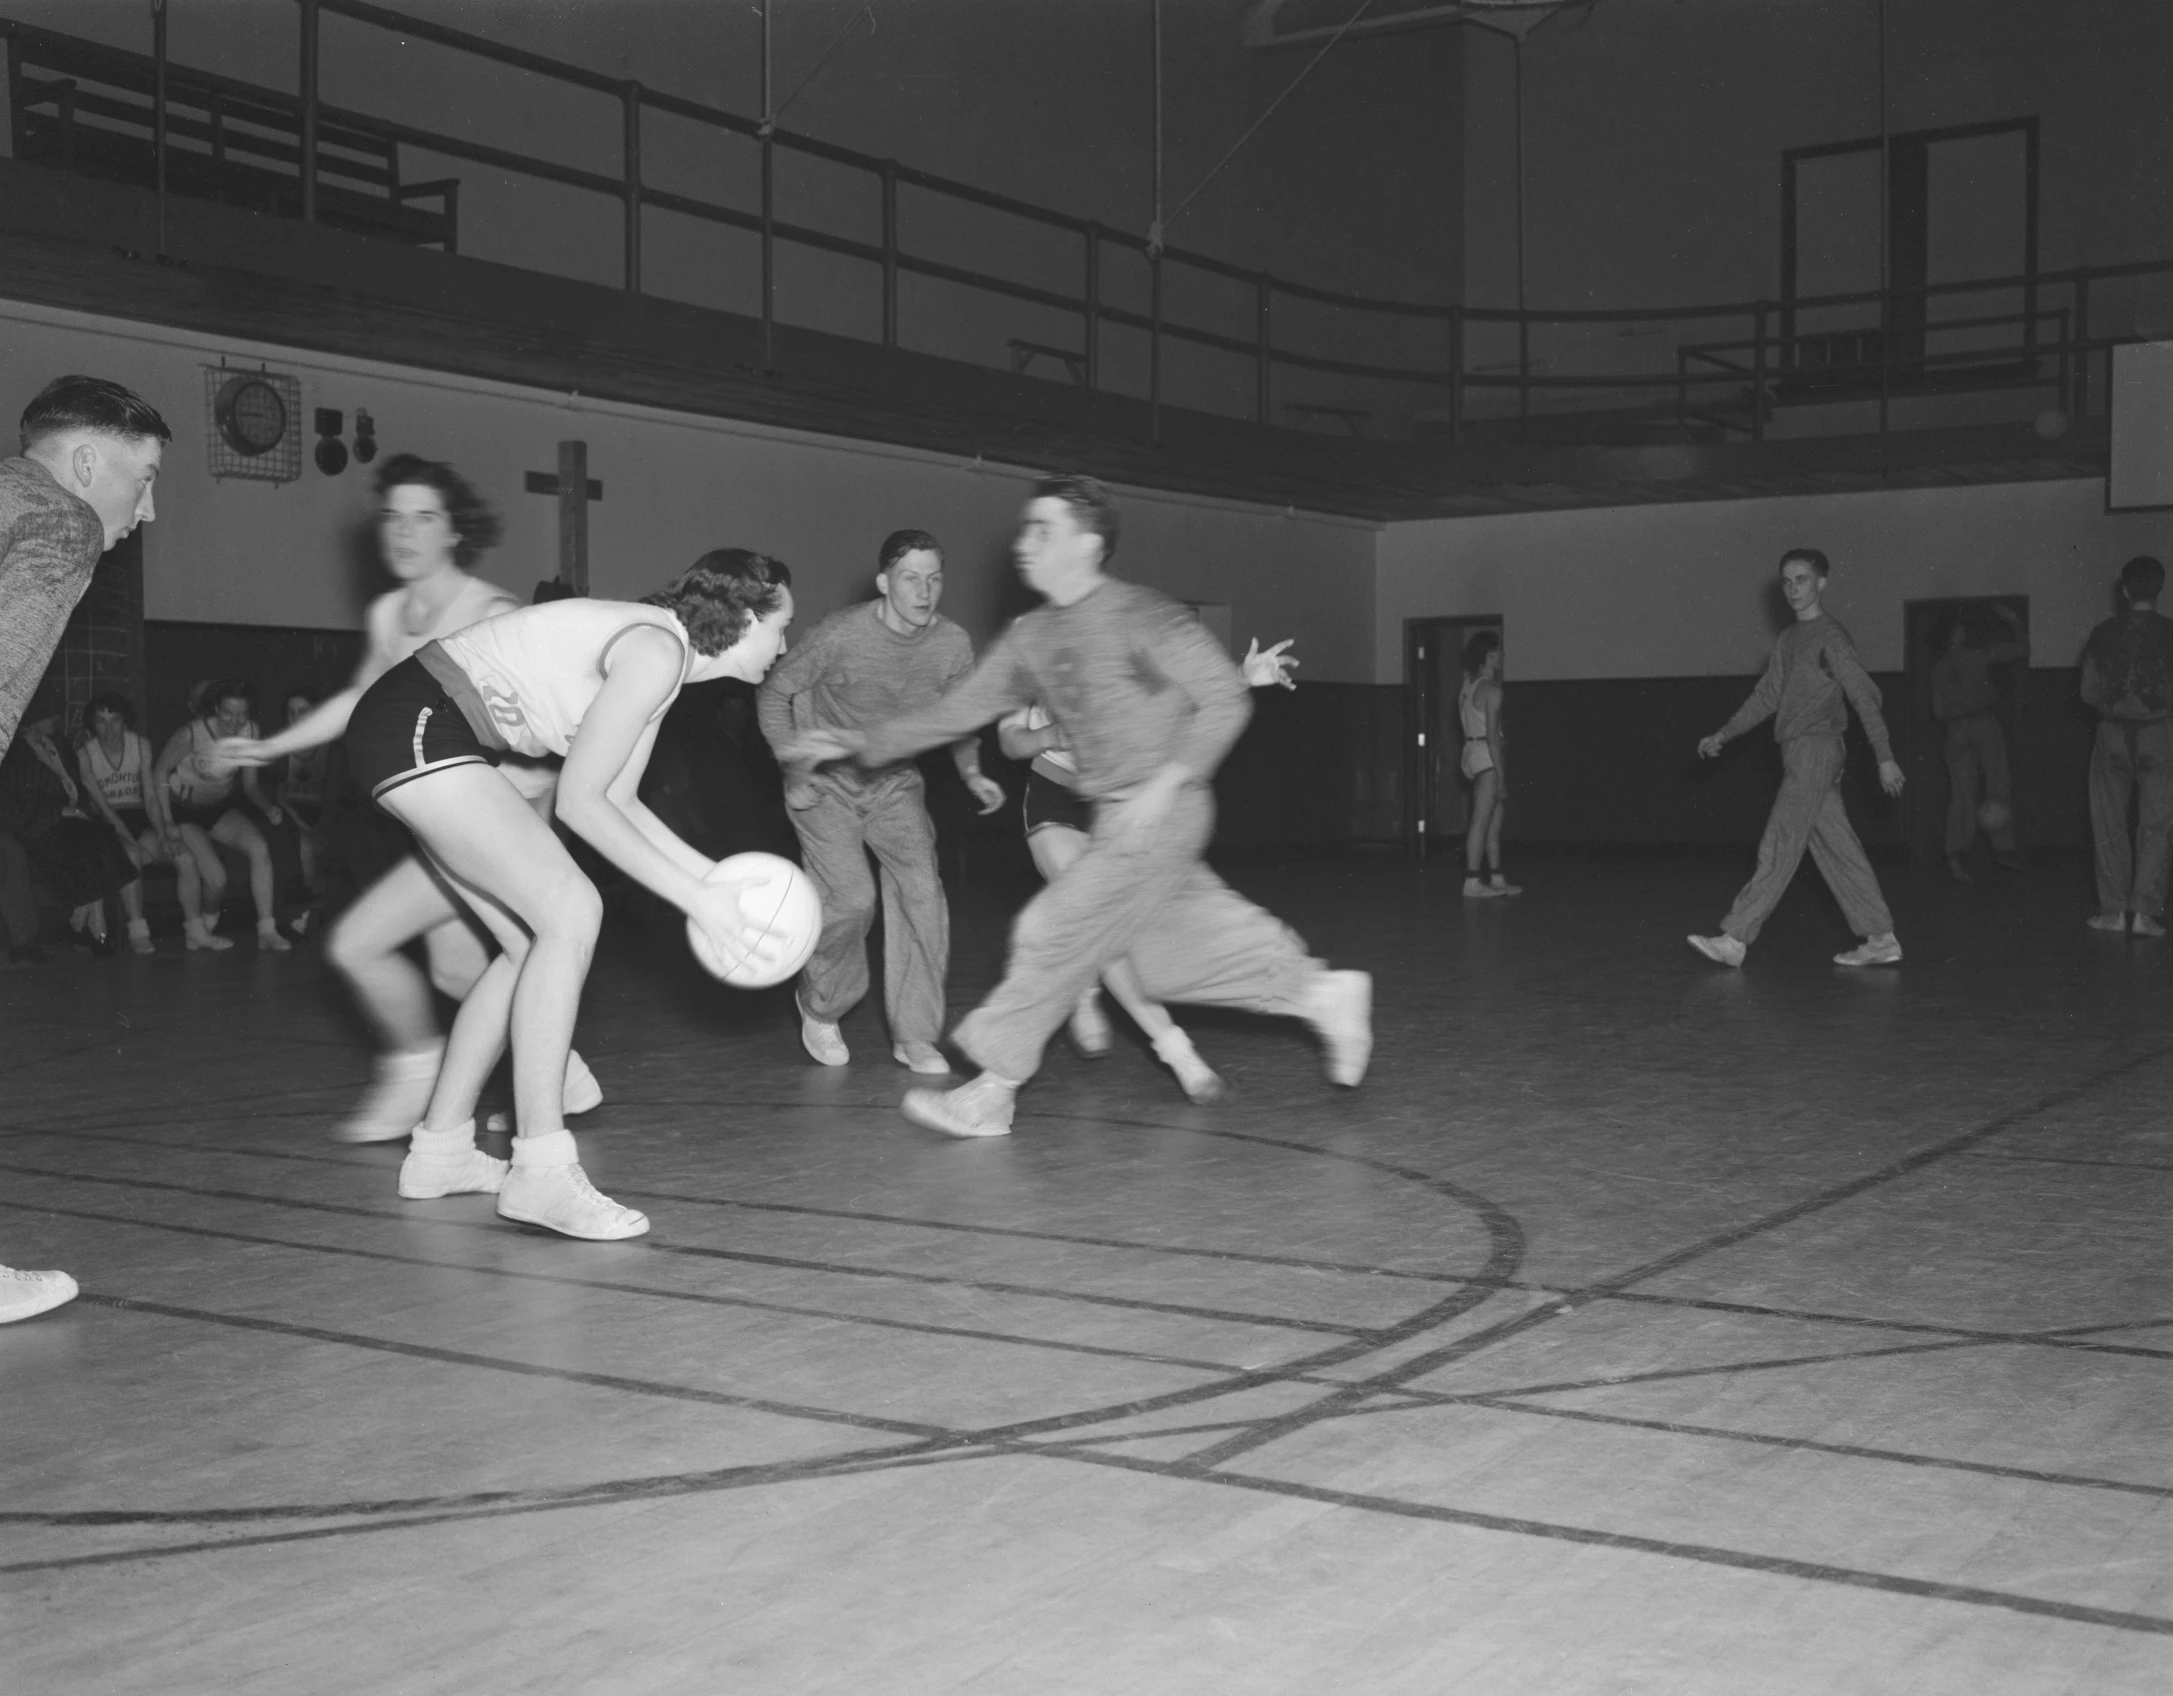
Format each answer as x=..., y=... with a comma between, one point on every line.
x=784, y=919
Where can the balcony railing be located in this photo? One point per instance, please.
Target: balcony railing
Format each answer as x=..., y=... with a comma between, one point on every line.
x=1171, y=326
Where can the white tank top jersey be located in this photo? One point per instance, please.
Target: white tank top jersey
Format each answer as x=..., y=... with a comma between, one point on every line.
x=120, y=783
x=1474, y=715
x=390, y=639
x=536, y=672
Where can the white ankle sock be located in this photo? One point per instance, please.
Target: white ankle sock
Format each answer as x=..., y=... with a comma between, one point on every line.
x=443, y=1145
x=553, y=1148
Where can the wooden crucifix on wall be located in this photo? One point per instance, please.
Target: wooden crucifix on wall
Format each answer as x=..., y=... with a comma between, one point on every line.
x=575, y=488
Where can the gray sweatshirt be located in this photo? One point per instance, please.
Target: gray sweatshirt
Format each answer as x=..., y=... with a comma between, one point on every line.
x=1128, y=675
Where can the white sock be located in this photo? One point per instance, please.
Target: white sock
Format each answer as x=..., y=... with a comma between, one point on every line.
x=552, y=1148
x=443, y=1145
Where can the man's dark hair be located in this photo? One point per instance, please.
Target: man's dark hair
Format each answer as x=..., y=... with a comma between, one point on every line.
x=1810, y=557
x=214, y=692
x=1482, y=643
x=111, y=701
x=2142, y=579
x=475, y=521
x=1091, y=507
x=721, y=595
x=899, y=543
x=90, y=403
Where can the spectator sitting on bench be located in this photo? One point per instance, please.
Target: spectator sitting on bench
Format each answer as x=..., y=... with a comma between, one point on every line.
x=205, y=814
x=42, y=809
x=113, y=765
x=299, y=783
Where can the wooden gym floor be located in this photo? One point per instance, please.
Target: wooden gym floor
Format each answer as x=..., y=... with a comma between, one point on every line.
x=1638, y=1327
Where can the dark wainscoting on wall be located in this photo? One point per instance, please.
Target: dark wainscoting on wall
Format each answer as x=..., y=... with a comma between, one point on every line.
x=1319, y=766
x=1615, y=761
x=177, y=656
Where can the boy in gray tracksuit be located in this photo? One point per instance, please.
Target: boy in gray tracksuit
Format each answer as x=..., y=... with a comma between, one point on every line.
x=1808, y=686
x=873, y=662
x=1149, y=704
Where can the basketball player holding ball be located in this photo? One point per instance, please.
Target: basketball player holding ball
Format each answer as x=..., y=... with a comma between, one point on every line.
x=588, y=680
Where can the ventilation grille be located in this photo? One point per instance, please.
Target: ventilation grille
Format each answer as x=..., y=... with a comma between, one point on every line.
x=253, y=423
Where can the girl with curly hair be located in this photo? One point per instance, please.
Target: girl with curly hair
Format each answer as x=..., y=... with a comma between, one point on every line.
x=587, y=680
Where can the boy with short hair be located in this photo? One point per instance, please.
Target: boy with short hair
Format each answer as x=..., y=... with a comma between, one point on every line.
x=1808, y=686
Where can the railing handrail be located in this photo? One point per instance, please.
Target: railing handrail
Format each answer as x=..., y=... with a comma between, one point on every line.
x=363, y=11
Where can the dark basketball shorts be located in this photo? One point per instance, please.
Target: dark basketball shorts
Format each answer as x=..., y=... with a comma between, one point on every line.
x=406, y=726
x=1048, y=802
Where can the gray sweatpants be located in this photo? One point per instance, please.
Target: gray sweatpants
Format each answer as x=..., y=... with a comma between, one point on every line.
x=1189, y=935
x=887, y=814
x=1977, y=759
x=1808, y=814
x=2132, y=759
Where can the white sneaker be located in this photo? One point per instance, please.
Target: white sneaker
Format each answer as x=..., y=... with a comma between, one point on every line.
x=1478, y=889
x=201, y=936
x=922, y=1057
x=1878, y=951
x=1722, y=950
x=982, y=1108
x=2146, y=925
x=398, y=1097
x=2115, y=921
x=1089, y=1026
x=561, y=1198
x=583, y=1094
x=825, y=1043
x=139, y=937
x=1342, y=1012
x=25, y=1295
x=269, y=941
x=1501, y=886
x=426, y=1177
x=1194, y=1076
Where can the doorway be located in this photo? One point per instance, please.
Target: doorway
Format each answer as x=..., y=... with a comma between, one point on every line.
x=1433, y=671
x=1920, y=739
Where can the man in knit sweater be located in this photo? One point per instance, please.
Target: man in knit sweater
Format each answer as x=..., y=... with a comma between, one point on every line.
x=90, y=455
x=859, y=668
x=1808, y=686
x=1149, y=705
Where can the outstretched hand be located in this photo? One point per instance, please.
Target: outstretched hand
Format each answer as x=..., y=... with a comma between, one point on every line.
x=1269, y=669
x=986, y=790
x=1890, y=778
x=1711, y=745
x=231, y=751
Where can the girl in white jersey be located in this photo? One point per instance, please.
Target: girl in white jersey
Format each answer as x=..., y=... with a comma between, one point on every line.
x=588, y=680
x=432, y=527
x=1478, y=706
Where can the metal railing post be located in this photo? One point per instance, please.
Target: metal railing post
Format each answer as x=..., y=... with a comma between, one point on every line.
x=1886, y=357
x=158, y=111
x=1758, y=377
x=1524, y=375
x=1456, y=374
x=769, y=249
x=1093, y=326
x=1154, y=345
x=890, y=253
x=2081, y=408
x=632, y=161
x=309, y=111
x=1263, y=348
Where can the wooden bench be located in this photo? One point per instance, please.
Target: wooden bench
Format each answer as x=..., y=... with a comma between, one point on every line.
x=81, y=106
x=1024, y=353
x=1352, y=418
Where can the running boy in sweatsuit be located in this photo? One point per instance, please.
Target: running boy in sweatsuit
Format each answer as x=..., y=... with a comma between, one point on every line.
x=1809, y=684
x=1149, y=705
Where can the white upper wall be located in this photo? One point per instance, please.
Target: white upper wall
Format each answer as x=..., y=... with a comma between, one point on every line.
x=1687, y=590
x=301, y=554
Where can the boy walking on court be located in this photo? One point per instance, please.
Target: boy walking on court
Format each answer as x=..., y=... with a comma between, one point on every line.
x=1149, y=705
x=2127, y=680
x=1808, y=686
x=858, y=669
